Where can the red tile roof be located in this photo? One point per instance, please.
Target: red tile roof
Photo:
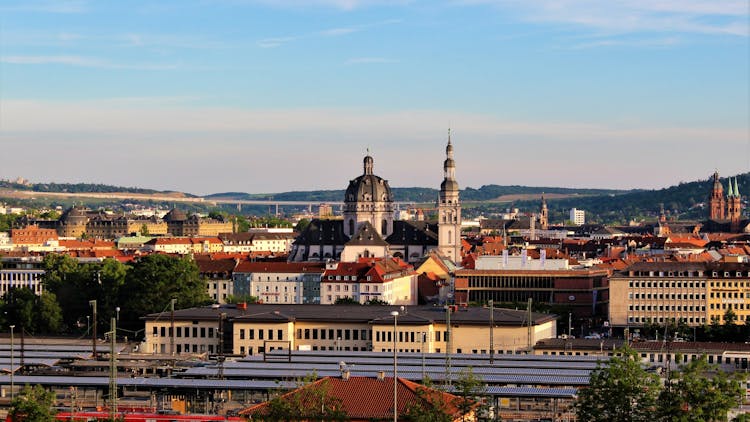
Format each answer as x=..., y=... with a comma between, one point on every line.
x=279, y=267
x=368, y=399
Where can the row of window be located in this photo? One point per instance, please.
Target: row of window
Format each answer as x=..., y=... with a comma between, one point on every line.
x=689, y=284
x=197, y=332
x=331, y=334
x=666, y=284
x=262, y=334
x=346, y=278
x=366, y=288
x=512, y=282
x=678, y=308
x=740, y=306
x=410, y=336
x=661, y=320
x=668, y=296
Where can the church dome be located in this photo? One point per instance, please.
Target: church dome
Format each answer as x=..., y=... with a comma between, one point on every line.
x=75, y=215
x=175, y=215
x=449, y=185
x=368, y=187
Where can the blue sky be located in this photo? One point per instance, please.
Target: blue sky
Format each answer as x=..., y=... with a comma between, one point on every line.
x=275, y=95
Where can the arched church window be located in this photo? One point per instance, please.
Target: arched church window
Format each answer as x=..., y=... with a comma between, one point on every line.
x=450, y=236
x=351, y=227
x=384, y=228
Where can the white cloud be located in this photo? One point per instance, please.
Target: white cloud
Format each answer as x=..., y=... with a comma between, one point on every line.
x=369, y=60
x=728, y=17
x=81, y=61
x=274, y=42
x=50, y=6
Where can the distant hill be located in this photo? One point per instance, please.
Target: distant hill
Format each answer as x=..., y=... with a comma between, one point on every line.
x=81, y=188
x=415, y=194
x=685, y=201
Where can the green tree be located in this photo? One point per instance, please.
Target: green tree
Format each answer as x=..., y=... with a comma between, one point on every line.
x=33, y=405
x=471, y=389
x=301, y=225
x=431, y=406
x=699, y=392
x=49, y=313
x=144, y=230
x=19, y=305
x=242, y=225
x=311, y=401
x=619, y=390
x=157, y=279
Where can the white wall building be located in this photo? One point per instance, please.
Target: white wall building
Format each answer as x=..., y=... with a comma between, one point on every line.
x=578, y=217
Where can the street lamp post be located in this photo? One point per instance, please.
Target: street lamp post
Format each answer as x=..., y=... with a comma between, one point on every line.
x=394, y=314
x=12, y=369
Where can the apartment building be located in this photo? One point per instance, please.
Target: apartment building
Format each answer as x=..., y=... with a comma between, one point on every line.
x=279, y=282
x=389, y=280
x=218, y=276
x=17, y=272
x=694, y=292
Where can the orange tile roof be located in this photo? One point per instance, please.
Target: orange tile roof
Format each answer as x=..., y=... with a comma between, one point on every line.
x=378, y=405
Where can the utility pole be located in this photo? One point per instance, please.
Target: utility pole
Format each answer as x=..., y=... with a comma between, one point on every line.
x=448, y=343
x=529, y=333
x=492, y=331
x=92, y=303
x=171, y=328
x=113, y=371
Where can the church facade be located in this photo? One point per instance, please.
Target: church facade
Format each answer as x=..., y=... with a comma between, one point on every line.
x=369, y=230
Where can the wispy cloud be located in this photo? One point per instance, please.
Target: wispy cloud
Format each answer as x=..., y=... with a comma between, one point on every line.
x=80, y=61
x=369, y=60
x=51, y=6
x=641, y=43
x=276, y=42
x=330, y=32
x=346, y=5
x=728, y=17
x=149, y=40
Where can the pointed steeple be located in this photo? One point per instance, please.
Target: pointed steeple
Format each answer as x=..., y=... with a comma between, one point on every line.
x=736, y=188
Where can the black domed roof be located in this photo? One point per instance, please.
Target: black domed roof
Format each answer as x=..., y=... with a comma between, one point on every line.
x=175, y=215
x=449, y=185
x=74, y=214
x=368, y=187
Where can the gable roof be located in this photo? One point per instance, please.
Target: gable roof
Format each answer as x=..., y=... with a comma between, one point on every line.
x=366, y=236
x=348, y=394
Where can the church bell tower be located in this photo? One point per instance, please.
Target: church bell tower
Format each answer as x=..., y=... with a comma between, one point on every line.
x=449, y=209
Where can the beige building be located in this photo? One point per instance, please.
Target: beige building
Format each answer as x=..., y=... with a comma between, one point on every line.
x=181, y=224
x=690, y=291
x=258, y=328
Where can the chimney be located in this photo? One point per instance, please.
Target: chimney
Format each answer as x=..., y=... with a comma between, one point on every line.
x=381, y=375
x=345, y=374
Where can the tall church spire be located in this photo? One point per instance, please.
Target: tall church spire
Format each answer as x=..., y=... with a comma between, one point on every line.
x=543, y=214
x=449, y=208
